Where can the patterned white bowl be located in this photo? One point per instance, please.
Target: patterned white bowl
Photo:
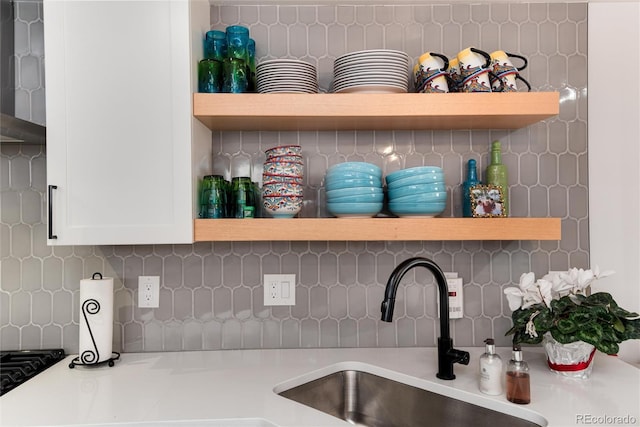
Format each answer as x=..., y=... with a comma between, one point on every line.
x=282, y=206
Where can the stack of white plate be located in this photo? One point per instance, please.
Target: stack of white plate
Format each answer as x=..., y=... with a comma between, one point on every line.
x=371, y=71
x=286, y=75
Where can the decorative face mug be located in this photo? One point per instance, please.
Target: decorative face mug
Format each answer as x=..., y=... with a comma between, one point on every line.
x=431, y=73
x=474, y=65
x=505, y=73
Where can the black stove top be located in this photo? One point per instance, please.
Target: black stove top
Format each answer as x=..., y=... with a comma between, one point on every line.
x=19, y=366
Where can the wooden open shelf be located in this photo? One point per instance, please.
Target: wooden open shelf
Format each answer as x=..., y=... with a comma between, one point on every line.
x=376, y=229
x=351, y=111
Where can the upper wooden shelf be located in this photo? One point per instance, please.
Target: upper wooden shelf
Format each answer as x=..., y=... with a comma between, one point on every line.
x=376, y=229
x=352, y=111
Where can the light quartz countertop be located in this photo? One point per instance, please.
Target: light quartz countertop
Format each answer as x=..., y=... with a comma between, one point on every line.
x=231, y=385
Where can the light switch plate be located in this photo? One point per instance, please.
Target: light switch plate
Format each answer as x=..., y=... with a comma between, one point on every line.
x=279, y=289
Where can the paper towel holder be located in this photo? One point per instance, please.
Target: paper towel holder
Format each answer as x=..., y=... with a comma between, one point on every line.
x=90, y=307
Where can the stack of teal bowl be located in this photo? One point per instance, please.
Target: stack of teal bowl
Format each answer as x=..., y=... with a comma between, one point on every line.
x=418, y=191
x=354, y=189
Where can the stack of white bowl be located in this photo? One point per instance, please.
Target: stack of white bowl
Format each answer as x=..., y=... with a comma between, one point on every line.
x=371, y=71
x=354, y=189
x=282, y=176
x=286, y=75
x=418, y=191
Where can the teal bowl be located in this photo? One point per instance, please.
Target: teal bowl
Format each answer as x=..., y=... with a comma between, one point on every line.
x=412, y=190
x=427, y=178
x=339, y=175
x=362, y=167
x=440, y=196
x=358, y=198
x=417, y=209
x=351, y=183
x=360, y=210
x=353, y=191
x=419, y=170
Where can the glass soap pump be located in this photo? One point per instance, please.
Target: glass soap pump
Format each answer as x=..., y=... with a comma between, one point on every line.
x=490, y=370
x=518, y=383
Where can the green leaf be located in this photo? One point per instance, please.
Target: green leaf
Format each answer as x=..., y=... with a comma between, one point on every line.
x=543, y=322
x=558, y=306
x=601, y=298
x=566, y=326
x=621, y=312
x=631, y=329
x=564, y=338
x=520, y=337
x=520, y=317
x=609, y=334
x=618, y=325
x=582, y=317
x=591, y=333
x=607, y=347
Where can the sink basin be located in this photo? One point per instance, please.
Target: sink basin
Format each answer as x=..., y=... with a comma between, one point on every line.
x=236, y=422
x=366, y=399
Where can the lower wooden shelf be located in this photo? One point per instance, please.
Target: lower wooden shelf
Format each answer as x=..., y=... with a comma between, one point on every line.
x=376, y=229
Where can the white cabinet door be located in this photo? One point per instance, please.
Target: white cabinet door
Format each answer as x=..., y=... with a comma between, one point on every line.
x=121, y=138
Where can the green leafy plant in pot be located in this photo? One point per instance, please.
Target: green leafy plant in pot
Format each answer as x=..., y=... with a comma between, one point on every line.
x=559, y=312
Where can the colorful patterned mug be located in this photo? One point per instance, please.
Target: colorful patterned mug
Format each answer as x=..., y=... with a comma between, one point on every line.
x=505, y=72
x=475, y=69
x=430, y=73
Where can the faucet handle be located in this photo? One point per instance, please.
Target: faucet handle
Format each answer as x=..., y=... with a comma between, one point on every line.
x=459, y=356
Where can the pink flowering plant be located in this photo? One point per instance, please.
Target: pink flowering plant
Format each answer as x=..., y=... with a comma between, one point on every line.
x=561, y=304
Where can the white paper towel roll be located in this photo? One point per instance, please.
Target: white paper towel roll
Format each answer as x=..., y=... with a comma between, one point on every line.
x=96, y=319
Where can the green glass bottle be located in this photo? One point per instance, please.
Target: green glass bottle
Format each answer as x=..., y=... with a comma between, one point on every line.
x=496, y=174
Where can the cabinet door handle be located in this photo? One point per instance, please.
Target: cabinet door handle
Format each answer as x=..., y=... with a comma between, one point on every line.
x=51, y=188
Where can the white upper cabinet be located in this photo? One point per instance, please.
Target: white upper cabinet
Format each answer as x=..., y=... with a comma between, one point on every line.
x=123, y=149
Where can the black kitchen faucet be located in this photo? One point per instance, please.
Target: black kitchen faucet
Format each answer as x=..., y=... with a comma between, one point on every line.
x=447, y=355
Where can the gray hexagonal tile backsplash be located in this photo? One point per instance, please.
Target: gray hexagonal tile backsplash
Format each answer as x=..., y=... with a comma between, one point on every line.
x=211, y=293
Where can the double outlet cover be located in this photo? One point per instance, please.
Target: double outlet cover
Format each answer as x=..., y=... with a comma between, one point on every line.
x=279, y=289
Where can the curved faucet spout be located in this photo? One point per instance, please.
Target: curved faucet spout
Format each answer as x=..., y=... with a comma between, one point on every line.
x=447, y=355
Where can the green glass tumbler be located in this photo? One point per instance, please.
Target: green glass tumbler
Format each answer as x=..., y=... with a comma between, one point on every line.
x=210, y=76
x=213, y=197
x=251, y=66
x=235, y=76
x=243, y=195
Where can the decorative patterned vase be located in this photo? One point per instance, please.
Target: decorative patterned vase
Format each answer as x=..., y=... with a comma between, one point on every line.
x=574, y=360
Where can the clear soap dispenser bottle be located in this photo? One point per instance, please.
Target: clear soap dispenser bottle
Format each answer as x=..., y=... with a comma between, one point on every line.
x=490, y=370
x=518, y=384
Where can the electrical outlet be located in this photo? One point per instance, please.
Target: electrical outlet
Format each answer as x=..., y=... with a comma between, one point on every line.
x=148, y=291
x=454, y=283
x=279, y=289
x=455, y=298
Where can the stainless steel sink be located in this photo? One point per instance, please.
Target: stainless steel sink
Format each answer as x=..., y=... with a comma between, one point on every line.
x=365, y=399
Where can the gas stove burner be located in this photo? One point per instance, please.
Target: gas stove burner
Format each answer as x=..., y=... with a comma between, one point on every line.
x=19, y=366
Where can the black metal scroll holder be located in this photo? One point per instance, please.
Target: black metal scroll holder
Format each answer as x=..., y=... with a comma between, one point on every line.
x=90, y=357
